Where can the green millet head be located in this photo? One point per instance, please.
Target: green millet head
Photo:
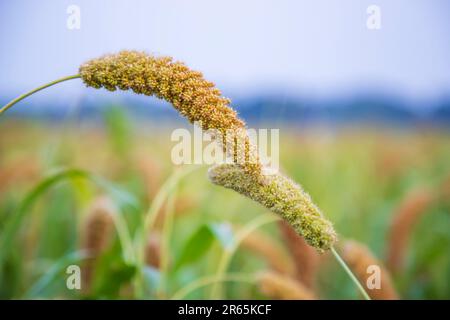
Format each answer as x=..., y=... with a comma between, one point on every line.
x=282, y=196
x=194, y=97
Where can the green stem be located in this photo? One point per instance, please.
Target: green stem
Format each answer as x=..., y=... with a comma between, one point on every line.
x=148, y=224
x=165, y=245
x=350, y=273
x=216, y=290
x=23, y=96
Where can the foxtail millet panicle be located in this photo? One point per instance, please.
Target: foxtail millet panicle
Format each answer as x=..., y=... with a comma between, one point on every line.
x=414, y=204
x=194, y=97
x=97, y=232
x=282, y=196
x=153, y=250
x=359, y=258
x=265, y=247
x=306, y=259
x=199, y=101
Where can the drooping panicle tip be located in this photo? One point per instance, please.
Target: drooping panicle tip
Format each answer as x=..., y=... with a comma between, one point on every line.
x=282, y=196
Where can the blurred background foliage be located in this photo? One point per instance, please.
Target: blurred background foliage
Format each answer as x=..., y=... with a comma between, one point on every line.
x=86, y=176
x=52, y=175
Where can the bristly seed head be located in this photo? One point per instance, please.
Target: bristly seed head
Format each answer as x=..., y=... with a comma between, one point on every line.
x=282, y=196
x=200, y=102
x=194, y=97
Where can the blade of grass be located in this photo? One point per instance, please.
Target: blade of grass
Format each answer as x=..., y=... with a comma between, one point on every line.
x=350, y=274
x=216, y=290
x=13, y=224
x=124, y=238
x=140, y=240
x=55, y=270
x=165, y=245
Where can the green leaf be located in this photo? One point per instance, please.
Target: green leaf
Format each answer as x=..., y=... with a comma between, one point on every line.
x=55, y=271
x=223, y=232
x=111, y=274
x=13, y=224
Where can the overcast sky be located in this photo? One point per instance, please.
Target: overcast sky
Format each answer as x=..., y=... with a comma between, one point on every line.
x=315, y=48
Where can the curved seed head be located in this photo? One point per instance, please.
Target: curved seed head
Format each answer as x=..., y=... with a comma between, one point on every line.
x=282, y=196
x=199, y=101
x=194, y=97
x=359, y=259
